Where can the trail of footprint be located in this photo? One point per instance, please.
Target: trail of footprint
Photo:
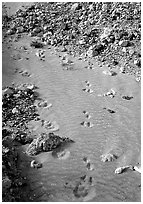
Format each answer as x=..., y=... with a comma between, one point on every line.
x=87, y=123
x=87, y=89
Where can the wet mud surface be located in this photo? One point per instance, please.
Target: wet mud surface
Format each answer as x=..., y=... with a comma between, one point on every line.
x=105, y=129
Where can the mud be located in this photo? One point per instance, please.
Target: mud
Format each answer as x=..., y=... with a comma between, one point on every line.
x=117, y=134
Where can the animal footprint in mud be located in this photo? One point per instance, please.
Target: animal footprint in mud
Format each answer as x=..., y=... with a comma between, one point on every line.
x=87, y=90
x=127, y=97
x=87, y=124
x=122, y=169
x=25, y=73
x=111, y=93
x=84, y=188
x=87, y=115
x=89, y=166
x=108, y=157
x=35, y=164
x=88, y=83
x=52, y=126
x=109, y=110
x=63, y=155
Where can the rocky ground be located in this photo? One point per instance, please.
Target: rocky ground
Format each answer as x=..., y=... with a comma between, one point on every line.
x=82, y=36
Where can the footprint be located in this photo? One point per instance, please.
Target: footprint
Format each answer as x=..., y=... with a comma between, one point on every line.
x=109, y=110
x=87, y=124
x=87, y=115
x=84, y=188
x=87, y=90
x=25, y=73
x=91, y=194
x=88, y=83
x=88, y=163
x=127, y=97
x=51, y=126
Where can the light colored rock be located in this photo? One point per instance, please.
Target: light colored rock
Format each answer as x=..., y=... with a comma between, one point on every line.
x=6, y=183
x=108, y=157
x=106, y=33
x=14, y=110
x=74, y=6
x=137, y=168
x=120, y=170
x=124, y=43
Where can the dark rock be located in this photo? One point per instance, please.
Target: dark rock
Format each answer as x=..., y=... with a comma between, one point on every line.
x=45, y=143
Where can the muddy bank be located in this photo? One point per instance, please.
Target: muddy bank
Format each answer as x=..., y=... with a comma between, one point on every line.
x=100, y=112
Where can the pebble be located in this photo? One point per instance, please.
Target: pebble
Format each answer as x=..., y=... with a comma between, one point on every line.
x=108, y=157
x=122, y=169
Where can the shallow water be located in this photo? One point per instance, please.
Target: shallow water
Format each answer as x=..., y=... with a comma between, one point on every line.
x=118, y=133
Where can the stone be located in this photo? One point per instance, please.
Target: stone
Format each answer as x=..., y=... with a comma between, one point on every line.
x=6, y=183
x=35, y=164
x=137, y=168
x=74, y=6
x=123, y=169
x=14, y=110
x=137, y=62
x=108, y=157
x=122, y=69
x=124, y=43
x=45, y=143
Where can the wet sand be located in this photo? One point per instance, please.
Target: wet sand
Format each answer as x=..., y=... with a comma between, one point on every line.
x=119, y=133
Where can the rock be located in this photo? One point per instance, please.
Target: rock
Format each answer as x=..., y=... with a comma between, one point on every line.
x=110, y=73
x=35, y=164
x=108, y=157
x=6, y=183
x=137, y=168
x=131, y=52
x=42, y=104
x=45, y=143
x=74, y=6
x=124, y=43
x=122, y=69
x=123, y=169
x=94, y=50
x=36, y=44
x=106, y=33
x=14, y=110
x=137, y=62
x=124, y=50
x=110, y=93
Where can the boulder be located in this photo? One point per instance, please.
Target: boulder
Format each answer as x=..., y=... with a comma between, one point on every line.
x=45, y=143
x=124, y=43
